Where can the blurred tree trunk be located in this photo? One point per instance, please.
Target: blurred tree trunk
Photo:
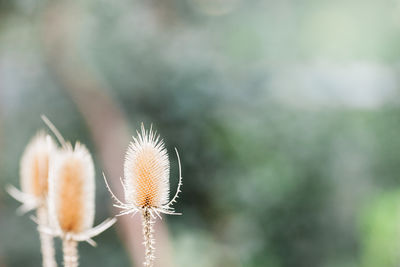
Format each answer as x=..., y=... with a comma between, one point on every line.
x=107, y=123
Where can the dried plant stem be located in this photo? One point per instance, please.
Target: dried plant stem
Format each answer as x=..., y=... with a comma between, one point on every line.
x=70, y=250
x=148, y=230
x=46, y=240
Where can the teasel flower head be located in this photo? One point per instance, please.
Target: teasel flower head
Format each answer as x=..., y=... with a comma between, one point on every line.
x=71, y=194
x=71, y=197
x=146, y=184
x=34, y=171
x=146, y=176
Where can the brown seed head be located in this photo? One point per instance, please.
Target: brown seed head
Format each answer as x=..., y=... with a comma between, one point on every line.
x=146, y=168
x=35, y=165
x=71, y=189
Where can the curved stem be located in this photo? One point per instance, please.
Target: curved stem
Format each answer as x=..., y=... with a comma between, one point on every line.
x=46, y=240
x=149, y=242
x=70, y=250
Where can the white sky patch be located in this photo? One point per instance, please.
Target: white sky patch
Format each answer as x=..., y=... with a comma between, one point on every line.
x=353, y=85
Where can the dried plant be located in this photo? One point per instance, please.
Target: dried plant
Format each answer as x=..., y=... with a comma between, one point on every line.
x=146, y=185
x=71, y=200
x=34, y=182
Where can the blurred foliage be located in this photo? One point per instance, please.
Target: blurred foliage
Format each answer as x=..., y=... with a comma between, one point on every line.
x=286, y=115
x=380, y=224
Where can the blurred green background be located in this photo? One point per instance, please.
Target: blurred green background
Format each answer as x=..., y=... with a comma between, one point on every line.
x=286, y=115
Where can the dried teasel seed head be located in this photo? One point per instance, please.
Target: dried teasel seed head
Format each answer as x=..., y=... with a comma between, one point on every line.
x=146, y=171
x=72, y=189
x=35, y=165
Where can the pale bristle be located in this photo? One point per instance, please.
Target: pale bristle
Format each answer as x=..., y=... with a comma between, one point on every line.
x=71, y=189
x=146, y=171
x=35, y=165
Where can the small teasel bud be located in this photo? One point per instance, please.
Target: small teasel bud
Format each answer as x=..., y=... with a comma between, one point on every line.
x=35, y=166
x=34, y=172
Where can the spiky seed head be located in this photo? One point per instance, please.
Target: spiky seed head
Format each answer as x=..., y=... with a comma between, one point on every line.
x=35, y=165
x=146, y=171
x=72, y=189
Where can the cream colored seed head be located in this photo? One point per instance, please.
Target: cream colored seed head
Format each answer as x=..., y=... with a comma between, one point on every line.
x=72, y=189
x=146, y=185
x=35, y=165
x=146, y=171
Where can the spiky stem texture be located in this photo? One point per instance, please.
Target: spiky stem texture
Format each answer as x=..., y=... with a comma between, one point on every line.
x=70, y=250
x=149, y=242
x=46, y=240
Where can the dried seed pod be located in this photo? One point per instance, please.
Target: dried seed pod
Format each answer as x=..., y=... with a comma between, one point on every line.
x=146, y=184
x=34, y=172
x=71, y=200
x=72, y=189
x=146, y=172
x=35, y=165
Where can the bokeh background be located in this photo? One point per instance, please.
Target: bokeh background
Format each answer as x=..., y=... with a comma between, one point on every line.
x=286, y=115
